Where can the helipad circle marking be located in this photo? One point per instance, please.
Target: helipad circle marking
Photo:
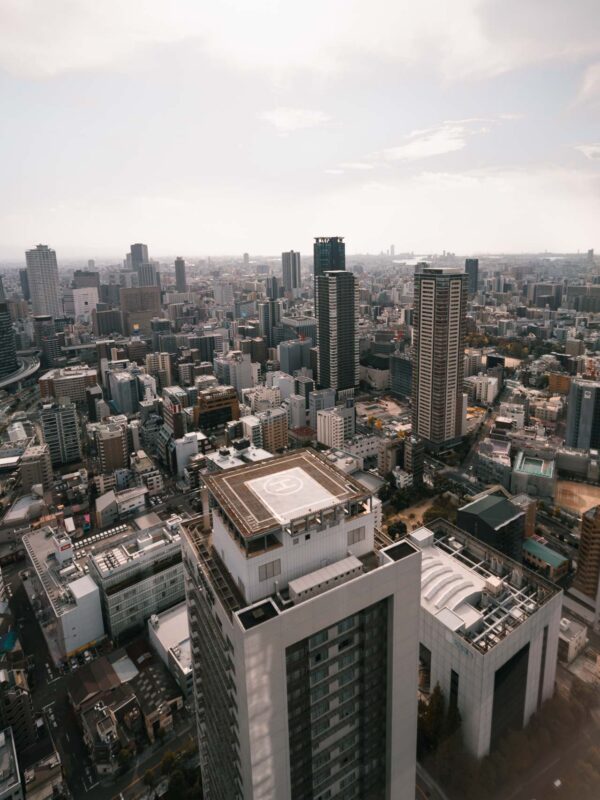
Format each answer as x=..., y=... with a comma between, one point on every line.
x=283, y=485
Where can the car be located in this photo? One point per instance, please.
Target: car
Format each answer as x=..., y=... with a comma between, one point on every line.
x=557, y=783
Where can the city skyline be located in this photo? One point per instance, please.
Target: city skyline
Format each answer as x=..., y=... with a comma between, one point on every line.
x=472, y=129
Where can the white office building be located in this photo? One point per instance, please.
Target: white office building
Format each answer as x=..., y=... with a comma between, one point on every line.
x=169, y=635
x=489, y=633
x=304, y=637
x=10, y=777
x=65, y=599
x=138, y=575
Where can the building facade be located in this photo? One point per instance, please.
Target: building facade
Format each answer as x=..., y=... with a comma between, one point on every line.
x=42, y=275
x=305, y=675
x=336, y=301
x=438, y=355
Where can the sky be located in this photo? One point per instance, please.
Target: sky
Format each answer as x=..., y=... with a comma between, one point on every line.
x=206, y=128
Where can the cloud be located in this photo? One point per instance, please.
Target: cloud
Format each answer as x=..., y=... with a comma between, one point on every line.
x=286, y=120
x=591, y=151
x=356, y=165
x=589, y=90
x=468, y=39
x=447, y=138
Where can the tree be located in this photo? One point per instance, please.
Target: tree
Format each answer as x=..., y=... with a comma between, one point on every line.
x=431, y=721
x=397, y=529
x=167, y=764
x=178, y=788
x=149, y=778
x=125, y=756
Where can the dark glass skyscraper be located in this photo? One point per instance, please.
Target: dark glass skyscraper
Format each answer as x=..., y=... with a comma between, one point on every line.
x=472, y=270
x=336, y=310
x=291, y=270
x=8, y=348
x=139, y=255
x=24, y=279
x=329, y=254
x=180, y=276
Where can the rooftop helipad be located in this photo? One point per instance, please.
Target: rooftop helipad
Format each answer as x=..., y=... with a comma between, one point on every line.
x=268, y=494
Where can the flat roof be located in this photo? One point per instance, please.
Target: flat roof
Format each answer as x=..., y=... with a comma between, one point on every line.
x=263, y=496
x=546, y=554
x=532, y=465
x=474, y=591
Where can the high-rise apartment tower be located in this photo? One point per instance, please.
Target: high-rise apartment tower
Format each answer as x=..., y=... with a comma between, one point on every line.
x=291, y=270
x=438, y=354
x=42, y=275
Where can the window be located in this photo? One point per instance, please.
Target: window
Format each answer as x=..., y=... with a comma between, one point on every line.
x=317, y=639
x=356, y=535
x=346, y=677
x=319, y=691
x=319, y=674
x=269, y=570
x=319, y=709
x=321, y=725
x=345, y=625
x=453, y=701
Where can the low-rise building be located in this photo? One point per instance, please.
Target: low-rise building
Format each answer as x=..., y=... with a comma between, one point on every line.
x=545, y=560
x=114, y=506
x=146, y=473
x=533, y=474
x=138, y=575
x=10, y=778
x=65, y=599
x=35, y=467
x=67, y=382
x=494, y=520
x=572, y=639
x=169, y=635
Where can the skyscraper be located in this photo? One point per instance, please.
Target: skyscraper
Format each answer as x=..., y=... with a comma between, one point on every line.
x=269, y=315
x=60, y=426
x=438, y=354
x=305, y=674
x=583, y=415
x=24, y=281
x=139, y=307
x=272, y=287
x=587, y=580
x=180, y=276
x=472, y=270
x=292, y=274
x=46, y=340
x=329, y=253
x=42, y=274
x=8, y=347
x=336, y=303
x=139, y=255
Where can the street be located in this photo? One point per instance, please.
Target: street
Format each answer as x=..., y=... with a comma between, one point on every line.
x=49, y=693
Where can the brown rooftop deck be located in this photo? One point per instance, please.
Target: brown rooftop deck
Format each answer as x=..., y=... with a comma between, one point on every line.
x=252, y=515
